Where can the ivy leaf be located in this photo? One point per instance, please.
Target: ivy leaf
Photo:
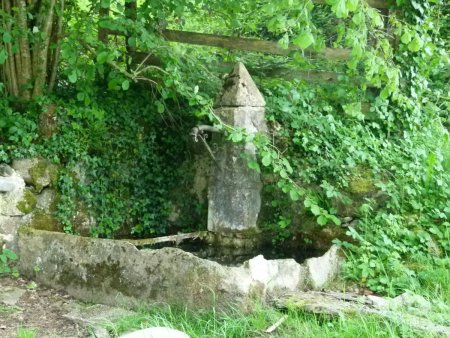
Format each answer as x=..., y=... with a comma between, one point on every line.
x=304, y=40
x=315, y=209
x=341, y=9
x=105, y=3
x=252, y=164
x=358, y=18
x=284, y=41
x=352, y=5
x=73, y=77
x=266, y=160
x=377, y=21
x=160, y=107
x=7, y=38
x=132, y=41
x=354, y=110
x=237, y=137
x=104, y=56
x=406, y=37
x=294, y=195
x=335, y=220
x=322, y=220
x=415, y=44
x=125, y=85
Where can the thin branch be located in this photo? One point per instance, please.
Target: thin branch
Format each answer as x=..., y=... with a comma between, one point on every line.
x=164, y=239
x=273, y=327
x=121, y=70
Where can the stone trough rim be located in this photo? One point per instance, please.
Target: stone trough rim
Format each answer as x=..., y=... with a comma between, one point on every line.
x=162, y=275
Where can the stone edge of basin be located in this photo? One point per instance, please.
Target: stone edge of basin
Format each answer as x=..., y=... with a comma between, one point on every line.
x=115, y=272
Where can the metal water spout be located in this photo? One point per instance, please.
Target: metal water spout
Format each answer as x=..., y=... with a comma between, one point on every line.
x=235, y=190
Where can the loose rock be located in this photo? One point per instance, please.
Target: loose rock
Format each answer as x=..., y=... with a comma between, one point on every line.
x=12, y=189
x=10, y=295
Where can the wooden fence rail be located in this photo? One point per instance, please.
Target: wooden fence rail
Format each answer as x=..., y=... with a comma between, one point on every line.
x=245, y=44
x=380, y=4
x=250, y=45
x=255, y=45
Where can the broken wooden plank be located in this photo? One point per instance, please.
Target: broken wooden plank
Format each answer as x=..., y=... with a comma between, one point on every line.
x=178, y=238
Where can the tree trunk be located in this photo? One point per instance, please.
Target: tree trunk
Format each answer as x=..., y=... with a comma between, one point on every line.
x=56, y=53
x=10, y=63
x=24, y=77
x=26, y=74
x=40, y=53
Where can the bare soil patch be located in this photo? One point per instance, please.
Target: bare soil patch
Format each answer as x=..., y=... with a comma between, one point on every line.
x=38, y=309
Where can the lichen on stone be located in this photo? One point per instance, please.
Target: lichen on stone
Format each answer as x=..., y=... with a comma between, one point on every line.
x=43, y=174
x=28, y=203
x=43, y=221
x=361, y=182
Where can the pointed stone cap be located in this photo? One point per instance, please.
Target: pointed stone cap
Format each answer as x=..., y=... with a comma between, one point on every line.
x=239, y=90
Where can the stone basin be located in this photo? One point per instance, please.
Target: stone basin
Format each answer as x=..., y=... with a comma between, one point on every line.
x=115, y=272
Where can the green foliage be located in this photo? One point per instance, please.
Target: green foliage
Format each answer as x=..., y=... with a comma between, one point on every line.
x=327, y=153
x=26, y=333
x=17, y=133
x=7, y=257
x=131, y=164
x=322, y=140
x=254, y=323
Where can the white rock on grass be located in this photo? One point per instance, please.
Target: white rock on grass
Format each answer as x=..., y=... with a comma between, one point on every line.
x=156, y=332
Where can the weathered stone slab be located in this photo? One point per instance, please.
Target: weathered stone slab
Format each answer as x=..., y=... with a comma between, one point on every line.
x=117, y=273
x=341, y=304
x=23, y=165
x=11, y=216
x=10, y=295
x=95, y=315
x=8, y=231
x=12, y=192
x=322, y=269
x=46, y=199
x=36, y=171
x=7, y=184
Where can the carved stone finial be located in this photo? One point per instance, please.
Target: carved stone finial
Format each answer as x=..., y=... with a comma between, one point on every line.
x=239, y=90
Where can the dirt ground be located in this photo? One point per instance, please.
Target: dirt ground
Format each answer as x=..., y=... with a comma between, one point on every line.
x=26, y=306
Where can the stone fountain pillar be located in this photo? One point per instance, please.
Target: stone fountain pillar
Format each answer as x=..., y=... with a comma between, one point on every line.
x=235, y=189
